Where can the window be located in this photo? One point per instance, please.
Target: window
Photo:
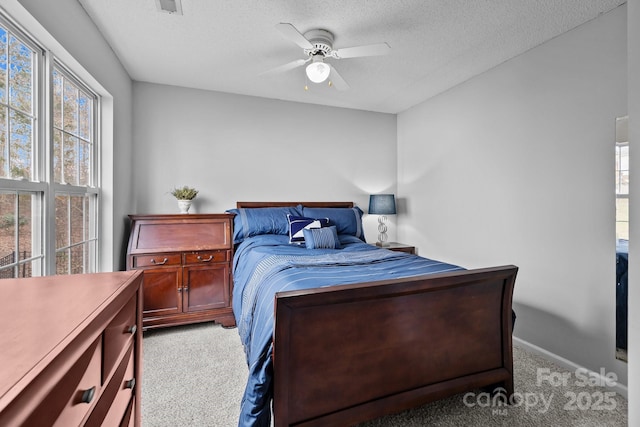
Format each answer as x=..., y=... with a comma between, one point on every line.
x=49, y=188
x=20, y=243
x=73, y=154
x=622, y=190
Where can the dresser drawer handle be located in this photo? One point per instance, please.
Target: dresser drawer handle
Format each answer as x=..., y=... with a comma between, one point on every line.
x=130, y=384
x=164, y=261
x=87, y=395
x=132, y=329
x=205, y=260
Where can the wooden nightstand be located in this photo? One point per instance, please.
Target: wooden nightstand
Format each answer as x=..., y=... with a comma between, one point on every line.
x=399, y=247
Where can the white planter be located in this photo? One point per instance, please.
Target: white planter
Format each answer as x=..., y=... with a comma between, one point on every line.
x=184, y=206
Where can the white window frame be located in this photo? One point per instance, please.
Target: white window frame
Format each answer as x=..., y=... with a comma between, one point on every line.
x=619, y=195
x=69, y=189
x=41, y=181
x=37, y=183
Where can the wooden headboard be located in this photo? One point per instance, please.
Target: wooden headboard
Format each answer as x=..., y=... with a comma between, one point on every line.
x=283, y=204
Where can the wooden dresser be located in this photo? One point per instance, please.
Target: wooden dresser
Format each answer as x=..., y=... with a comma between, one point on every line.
x=186, y=259
x=71, y=350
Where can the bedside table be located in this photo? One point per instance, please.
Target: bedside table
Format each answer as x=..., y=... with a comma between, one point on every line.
x=398, y=247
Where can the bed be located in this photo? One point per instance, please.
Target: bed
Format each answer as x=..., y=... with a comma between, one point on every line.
x=337, y=336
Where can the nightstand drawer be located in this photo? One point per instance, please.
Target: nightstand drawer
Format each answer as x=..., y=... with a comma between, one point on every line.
x=156, y=260
x=206, y=257
x=398, y=247
x=406, y=249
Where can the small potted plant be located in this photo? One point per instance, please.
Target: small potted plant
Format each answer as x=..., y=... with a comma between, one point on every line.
x=184, y=195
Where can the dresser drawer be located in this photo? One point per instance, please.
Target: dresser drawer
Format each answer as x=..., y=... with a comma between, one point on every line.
x=121, y=401
x=206, y=257
x=116, y=395
x=129, y=419
x=156, y=260
x=75, y=394
x=117, y=334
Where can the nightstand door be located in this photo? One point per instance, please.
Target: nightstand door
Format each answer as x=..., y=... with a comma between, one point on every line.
x=162, y=291
x=206, y=287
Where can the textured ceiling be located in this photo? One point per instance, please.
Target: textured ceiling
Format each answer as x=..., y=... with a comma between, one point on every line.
x=223, y=45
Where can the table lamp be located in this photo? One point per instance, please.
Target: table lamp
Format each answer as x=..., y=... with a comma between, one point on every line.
x=382, y=205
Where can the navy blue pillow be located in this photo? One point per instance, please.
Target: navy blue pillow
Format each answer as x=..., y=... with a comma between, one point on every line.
x=299, y=223
x=321, y=238
x=255, y=221
x=346, y=220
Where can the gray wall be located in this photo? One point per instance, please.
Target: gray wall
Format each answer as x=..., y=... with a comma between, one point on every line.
x=516, y=166
x=238, y=148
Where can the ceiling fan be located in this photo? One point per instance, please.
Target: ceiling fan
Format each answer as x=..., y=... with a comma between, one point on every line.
x=318, y=46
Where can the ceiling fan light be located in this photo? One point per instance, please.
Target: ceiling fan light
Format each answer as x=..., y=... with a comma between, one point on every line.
x=318, y=71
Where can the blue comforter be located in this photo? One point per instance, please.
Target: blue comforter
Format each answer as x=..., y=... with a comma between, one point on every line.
x=266, y=264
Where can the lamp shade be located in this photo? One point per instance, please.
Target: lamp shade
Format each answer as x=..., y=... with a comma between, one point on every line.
x=318, y=71
x=382, y=204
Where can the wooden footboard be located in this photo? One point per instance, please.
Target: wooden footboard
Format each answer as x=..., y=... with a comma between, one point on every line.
x=350, y=353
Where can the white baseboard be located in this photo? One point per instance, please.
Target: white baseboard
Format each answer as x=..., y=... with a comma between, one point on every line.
x=620, y=389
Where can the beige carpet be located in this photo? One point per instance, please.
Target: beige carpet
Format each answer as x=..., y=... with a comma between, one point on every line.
x=195, y=376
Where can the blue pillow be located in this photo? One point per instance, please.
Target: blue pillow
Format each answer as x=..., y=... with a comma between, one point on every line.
x=255, y=221
x=299, y=223
x=346, y=220
x=321, y=238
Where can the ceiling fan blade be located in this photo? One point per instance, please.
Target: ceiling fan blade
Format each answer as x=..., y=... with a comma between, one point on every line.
x=366, y=50
x=290, y=32
x=336, y=79
x=285, y=67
